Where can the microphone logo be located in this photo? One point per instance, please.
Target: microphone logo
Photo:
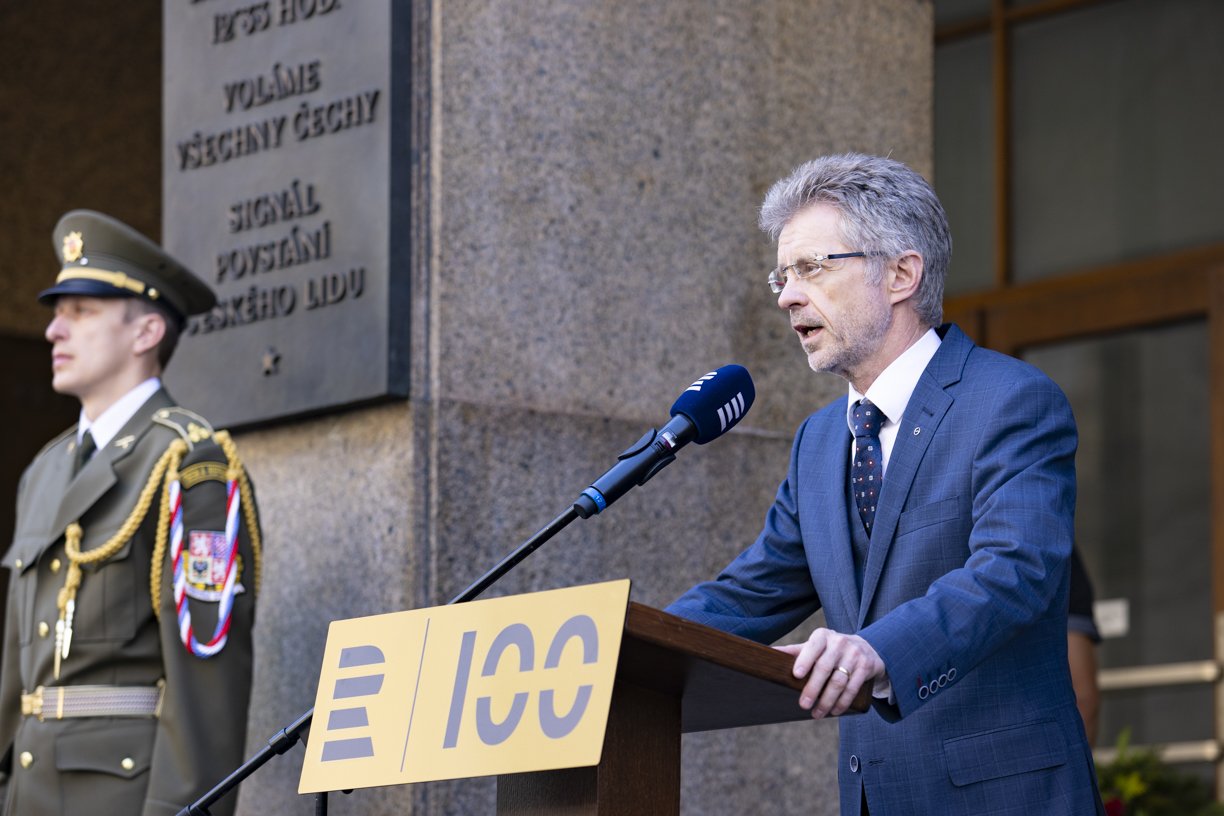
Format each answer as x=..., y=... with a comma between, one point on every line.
x=696, y=386
x=730, y=412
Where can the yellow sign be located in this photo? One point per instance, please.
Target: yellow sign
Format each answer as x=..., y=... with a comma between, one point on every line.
x=506, y=685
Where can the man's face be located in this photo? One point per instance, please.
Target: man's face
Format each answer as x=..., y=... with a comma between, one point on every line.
x=92, y=344
x=840, y=318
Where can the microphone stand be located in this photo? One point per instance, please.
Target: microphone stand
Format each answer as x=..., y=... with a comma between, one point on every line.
x=718, y=409
x=288, y=736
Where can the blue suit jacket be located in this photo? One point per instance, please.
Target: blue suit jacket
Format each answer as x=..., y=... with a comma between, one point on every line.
x=964, y=592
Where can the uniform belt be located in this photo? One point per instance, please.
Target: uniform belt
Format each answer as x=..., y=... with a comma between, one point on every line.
x=61, y=702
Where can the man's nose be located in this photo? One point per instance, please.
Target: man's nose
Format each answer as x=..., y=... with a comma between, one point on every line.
x=791, y=294
x=55, y=329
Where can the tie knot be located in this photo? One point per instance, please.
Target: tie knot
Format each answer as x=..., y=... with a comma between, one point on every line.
x=85, y=450
x=866, y=419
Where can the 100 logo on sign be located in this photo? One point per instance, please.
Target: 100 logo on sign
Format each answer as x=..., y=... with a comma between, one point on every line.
x=518, y=635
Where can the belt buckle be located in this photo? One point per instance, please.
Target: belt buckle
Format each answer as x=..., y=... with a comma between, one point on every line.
x=32, y=704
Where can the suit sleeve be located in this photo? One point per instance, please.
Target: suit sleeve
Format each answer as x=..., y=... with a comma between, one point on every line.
x=1022, y=484
x=202, y=728
x=767, y=590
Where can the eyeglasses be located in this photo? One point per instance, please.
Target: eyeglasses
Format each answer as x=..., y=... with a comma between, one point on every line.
x=808, y=267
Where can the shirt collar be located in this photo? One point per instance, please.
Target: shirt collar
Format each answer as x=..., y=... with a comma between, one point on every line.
x=892, y=390
x=112, y=420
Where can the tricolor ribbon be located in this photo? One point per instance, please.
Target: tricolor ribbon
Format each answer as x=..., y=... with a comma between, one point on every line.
x=226, y=607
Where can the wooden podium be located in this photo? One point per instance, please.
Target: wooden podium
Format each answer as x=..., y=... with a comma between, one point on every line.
x=674, y=676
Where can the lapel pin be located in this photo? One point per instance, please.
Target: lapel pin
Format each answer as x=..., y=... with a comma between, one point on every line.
x=917, y=430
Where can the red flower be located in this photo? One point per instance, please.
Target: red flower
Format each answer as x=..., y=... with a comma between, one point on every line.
x=1115, y=807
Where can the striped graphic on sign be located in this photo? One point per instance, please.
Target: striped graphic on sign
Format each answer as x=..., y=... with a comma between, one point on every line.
x=341, y=719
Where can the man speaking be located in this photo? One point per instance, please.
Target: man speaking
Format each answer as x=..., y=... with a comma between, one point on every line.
x=930, y=515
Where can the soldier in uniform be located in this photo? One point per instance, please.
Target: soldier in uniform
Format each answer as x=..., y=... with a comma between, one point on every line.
x=135, y=562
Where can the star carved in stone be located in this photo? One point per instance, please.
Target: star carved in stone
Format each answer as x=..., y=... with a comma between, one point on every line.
x=271, y=362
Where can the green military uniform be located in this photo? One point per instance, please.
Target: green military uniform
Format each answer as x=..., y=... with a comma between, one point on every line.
x=136, y=722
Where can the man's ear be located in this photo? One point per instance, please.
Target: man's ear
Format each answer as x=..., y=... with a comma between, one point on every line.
x=150, y=329
x=905, y=273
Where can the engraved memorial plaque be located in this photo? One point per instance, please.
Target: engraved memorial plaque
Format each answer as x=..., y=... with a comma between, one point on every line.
x=279, y=161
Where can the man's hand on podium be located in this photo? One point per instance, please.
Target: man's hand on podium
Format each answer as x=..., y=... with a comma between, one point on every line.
x=836, y=666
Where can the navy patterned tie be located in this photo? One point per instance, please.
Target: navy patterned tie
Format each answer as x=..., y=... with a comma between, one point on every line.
x=867, y=470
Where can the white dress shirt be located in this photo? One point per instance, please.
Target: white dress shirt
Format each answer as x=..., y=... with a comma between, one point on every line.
x=112, y=420
x=892, y=390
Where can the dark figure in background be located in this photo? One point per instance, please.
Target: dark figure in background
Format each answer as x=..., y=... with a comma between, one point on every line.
x=929, y=514
x=1082, y=640
x=135, y=561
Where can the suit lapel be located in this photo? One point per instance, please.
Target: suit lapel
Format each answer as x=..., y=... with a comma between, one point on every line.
x=98, y=476
x=923, y=416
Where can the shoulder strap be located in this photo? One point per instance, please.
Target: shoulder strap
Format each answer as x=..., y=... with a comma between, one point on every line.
x=190, y=426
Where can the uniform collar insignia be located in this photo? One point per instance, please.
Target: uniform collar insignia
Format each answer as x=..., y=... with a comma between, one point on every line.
x=125, y=442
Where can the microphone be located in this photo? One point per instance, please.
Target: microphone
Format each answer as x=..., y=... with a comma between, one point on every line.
x=706, y=410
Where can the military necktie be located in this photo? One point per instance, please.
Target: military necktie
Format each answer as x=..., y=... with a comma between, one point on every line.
x=83, y=452
x=867, y=470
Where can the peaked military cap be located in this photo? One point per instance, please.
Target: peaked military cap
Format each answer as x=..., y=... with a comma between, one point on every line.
x=103, y=257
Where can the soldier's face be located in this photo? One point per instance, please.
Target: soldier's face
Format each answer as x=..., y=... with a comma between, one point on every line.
x=92, y=346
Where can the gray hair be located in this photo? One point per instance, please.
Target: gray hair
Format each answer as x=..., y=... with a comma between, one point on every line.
x=884, y=206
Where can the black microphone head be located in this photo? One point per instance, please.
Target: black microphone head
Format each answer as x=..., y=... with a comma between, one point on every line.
x=716, y=401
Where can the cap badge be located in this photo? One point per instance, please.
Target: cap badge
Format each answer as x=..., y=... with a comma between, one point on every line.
x=74, y=245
